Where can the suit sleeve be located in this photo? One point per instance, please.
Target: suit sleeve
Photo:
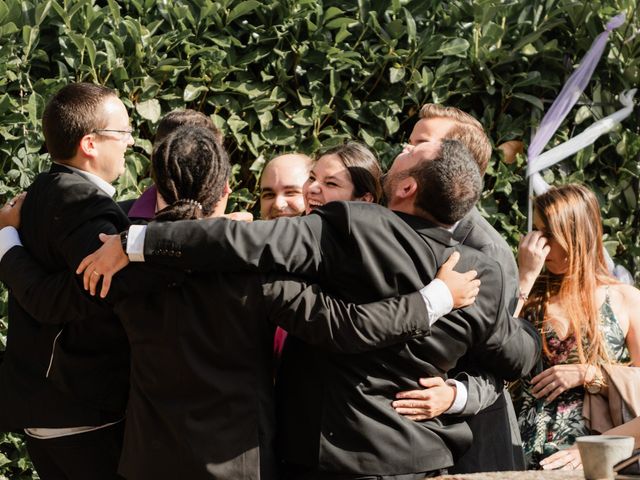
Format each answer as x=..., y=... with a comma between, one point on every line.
x=511, y=347
x=483, y=389
x=282, y=245
x=306, y=312
x=41, y=293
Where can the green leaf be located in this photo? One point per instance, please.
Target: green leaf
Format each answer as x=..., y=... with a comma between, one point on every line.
x=535, y=101
x=236, y=124
x=342, y=34
x=243, y=8
x=340, y=23
x=191, y=92
x=396, y=74
x=456, y=46
x=149, y=110
x=334, y=82
x=4, y=11
x=411, y=25
x=42, y=10
x=332, y=12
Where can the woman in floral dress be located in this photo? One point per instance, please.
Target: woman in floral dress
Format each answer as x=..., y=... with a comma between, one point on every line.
x=586, y=320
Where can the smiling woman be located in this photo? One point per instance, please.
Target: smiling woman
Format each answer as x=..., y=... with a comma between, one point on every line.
x=586, y=318
x=348, y=172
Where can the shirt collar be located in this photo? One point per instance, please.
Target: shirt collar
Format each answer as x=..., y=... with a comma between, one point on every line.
x=452, y=227
x=106, y=187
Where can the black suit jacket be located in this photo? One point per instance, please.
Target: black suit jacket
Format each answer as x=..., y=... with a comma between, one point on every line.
x=64, y=374
x=201, y=403
x=361, y=252
x=67, y=356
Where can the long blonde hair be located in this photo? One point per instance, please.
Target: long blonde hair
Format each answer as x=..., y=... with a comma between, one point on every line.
x=571, y=216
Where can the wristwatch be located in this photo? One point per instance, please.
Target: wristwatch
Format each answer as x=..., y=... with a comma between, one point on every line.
x=596, y=384
x=124, y=237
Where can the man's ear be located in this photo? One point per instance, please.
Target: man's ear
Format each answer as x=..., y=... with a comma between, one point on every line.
x=87, y=146
x=406, y=188
x=227, y=188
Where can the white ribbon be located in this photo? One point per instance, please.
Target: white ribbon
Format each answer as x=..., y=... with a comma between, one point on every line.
x=577, y=143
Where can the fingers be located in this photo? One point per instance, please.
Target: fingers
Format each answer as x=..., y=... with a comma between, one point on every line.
x=414, y=394
x=86, y=261
x=555, y=393
x=470, y=275
x=541, y=375
x=19, y=200
x=414, y=410
x=417, y=418
x=551, y=390
x=564, y=459
x=106, y=284
x=418, y=406
x=430, y=382
x=543, y=384
x=451, y=261
x=94, y=278
x=240, y=216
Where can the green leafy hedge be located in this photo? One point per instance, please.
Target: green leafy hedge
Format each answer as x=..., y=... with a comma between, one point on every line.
x=294, y=75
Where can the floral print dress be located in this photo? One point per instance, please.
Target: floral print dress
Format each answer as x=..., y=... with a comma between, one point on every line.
x=549, y=427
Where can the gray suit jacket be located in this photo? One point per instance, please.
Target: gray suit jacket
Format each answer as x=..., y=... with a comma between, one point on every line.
x=474, y=231
x=497, y=444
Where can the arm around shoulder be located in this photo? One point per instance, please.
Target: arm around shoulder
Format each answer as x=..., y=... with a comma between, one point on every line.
x=284, y=245
x=305, y=311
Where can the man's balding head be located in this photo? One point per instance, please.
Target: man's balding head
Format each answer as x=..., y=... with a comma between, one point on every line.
x=281, y=186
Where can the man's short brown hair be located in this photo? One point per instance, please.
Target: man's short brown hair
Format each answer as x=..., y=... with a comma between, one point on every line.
x=467, y=130
x=73, y=112
x=450, y=185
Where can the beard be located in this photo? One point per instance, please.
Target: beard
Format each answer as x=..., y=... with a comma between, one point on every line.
x=389, y=182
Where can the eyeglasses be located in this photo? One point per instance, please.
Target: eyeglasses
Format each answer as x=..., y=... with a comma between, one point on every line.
x=126, y=134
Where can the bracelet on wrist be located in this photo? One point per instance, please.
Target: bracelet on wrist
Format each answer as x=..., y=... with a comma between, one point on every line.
x=522, y=296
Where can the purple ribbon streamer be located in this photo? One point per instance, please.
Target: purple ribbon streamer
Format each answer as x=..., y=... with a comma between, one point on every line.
x=571, y=91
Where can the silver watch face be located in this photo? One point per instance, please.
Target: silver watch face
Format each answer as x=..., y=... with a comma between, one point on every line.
x=594, y=388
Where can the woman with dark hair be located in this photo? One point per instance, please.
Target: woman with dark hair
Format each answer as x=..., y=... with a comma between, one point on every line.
x=587, y=320
x=347, y=172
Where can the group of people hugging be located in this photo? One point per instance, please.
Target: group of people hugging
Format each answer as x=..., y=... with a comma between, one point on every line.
x=335, y=338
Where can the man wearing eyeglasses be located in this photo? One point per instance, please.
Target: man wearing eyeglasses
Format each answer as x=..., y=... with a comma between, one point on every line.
x=66, y=384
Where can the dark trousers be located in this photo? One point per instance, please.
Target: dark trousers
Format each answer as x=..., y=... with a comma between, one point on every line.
x=496, y=444
x=294, y=472
x=92, y=455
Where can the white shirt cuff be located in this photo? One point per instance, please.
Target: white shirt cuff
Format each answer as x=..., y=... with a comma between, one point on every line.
x=9, y=238
x=461, y=396
x=135, y=242
x=437, y=298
